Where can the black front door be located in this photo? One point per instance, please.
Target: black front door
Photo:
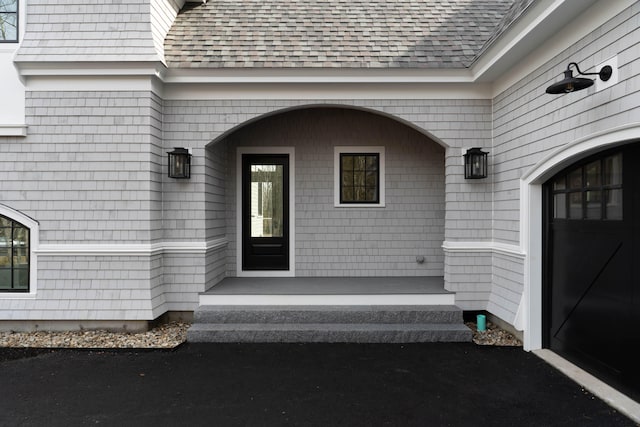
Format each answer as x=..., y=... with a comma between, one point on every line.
x=592, y=284
x=265, y=212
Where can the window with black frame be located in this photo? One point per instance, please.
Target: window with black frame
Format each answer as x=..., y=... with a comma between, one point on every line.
x=8, y=21
x=359, y=178
x=592, y=191
x=14, y=256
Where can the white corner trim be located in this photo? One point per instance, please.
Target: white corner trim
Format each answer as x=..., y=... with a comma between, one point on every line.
x=13, y=130
x=337, y=150
x=291, y=151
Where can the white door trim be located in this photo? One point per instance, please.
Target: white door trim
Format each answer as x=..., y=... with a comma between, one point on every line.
x=292, y=217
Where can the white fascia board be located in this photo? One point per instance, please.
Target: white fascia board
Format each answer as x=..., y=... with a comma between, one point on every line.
x=316, y=75
x=327, y=91
x=92, y=83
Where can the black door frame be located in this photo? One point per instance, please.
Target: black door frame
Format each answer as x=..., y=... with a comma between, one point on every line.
x=264, y=256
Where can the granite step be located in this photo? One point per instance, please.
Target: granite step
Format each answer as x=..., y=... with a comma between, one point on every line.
x=329, y=333
x=357, y=324
x=329, y=314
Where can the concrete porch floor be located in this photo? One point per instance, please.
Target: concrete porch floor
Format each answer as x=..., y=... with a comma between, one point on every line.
x=329, y=291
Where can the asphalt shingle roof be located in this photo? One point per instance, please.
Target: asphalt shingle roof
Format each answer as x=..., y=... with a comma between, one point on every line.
x=336, y=33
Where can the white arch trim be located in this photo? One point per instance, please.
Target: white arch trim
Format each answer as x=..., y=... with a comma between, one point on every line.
x=34, y=234
x=529, y=315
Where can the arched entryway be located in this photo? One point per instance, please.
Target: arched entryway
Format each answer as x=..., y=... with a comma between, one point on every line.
x=591, y=292
x=387, y=221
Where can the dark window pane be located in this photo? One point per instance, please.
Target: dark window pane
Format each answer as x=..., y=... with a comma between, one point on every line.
x=5, y=237
x=593, y=174
x=613, y=204
x=20, y=237
x=20, y=257
x=594, y=204
x=575, y=179
x=347, y=162
x=21, y=278
x=372, y=195
x=613, y=170
x=347, y=179
x=560, y=183
x=359, y=163
x=560, y=206
x=347, y=194
x=359, y=194
x=372, y=179
x=5, y=278
x=372, y=163
x=575, y=205
x=5, y=222
x=359, y=179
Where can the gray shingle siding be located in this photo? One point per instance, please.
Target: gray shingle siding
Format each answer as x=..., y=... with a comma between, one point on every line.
x=88, y=30
x=528, y=125
x=93, y=164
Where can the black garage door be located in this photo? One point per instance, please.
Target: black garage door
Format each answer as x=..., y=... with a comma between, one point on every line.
x=592, y=264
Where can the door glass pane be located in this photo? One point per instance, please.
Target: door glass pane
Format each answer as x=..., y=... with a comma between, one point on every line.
x=594, y=204
x=613, y=204
x=560, y=206
x=613, y=170
x=575, y=205
x=593, y=174
x=267, y=200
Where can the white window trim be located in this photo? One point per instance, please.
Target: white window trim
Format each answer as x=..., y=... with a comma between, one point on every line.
x=292, y=207
x=336, y=174
x=34, y=236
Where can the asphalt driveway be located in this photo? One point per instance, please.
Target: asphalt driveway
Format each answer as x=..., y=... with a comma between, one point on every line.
x=434, y=384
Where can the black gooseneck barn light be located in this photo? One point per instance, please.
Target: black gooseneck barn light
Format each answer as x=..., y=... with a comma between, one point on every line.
x=572, y=84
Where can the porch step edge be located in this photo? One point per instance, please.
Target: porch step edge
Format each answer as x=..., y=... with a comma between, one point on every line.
x=330, y=332
x=327, y=299
x=385, y=314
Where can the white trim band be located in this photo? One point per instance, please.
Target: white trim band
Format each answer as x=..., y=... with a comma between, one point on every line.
x=132, y=249
x=484, y=246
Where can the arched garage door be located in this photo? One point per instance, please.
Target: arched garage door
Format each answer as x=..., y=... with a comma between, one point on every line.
x=592, y=264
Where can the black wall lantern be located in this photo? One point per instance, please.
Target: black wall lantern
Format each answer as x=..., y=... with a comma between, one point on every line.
x=179, y=163
x=572, y=84
x=475, y=164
